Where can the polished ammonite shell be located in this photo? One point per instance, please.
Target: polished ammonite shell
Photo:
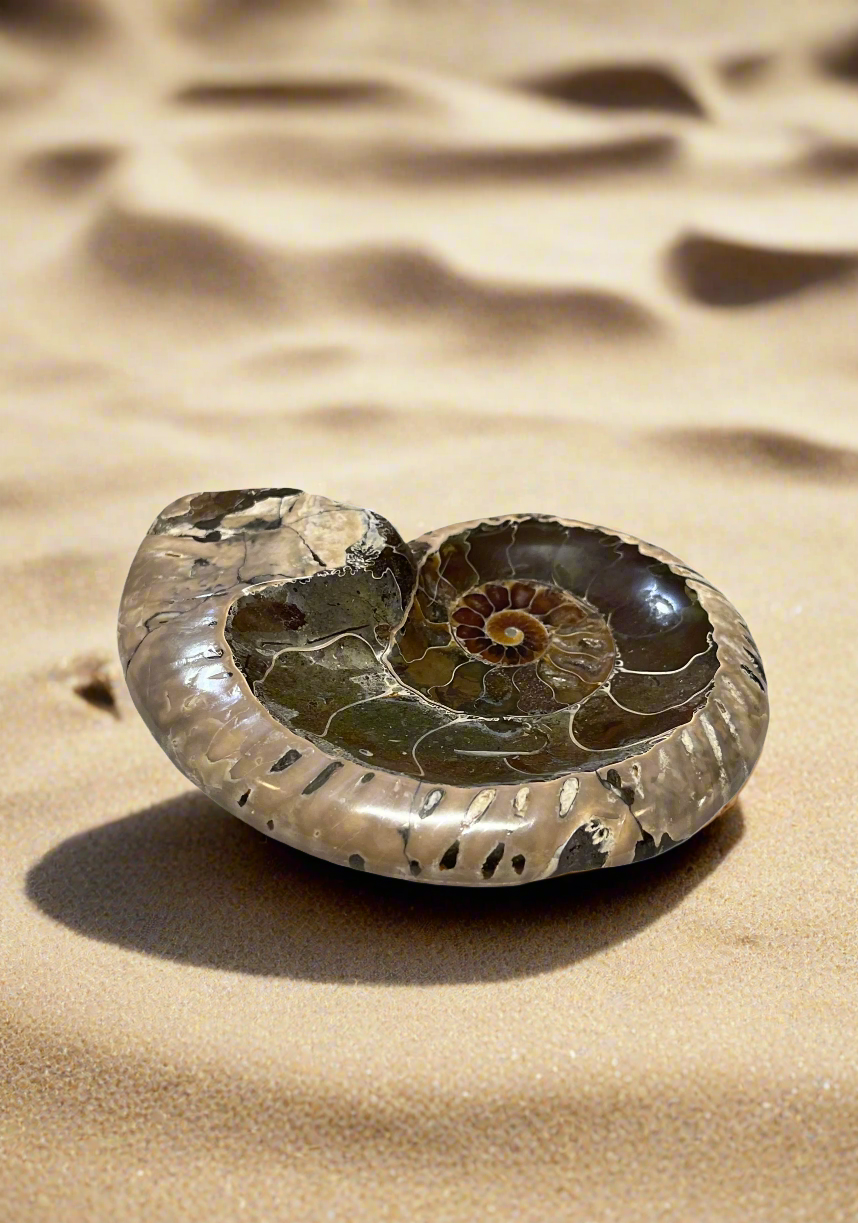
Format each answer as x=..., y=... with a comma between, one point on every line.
x=493, y=703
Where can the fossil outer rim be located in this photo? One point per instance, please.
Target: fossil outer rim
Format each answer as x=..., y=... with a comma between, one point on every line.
x=187, y=575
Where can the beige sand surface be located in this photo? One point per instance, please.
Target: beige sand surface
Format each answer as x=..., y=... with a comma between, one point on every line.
x=445, y=259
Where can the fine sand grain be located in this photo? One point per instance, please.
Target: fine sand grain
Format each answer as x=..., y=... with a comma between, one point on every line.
x=445, y=258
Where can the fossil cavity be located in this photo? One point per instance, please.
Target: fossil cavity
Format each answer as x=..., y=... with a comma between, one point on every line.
x=503, y=651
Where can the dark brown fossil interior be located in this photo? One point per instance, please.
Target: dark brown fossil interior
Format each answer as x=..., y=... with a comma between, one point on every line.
x=518, y=649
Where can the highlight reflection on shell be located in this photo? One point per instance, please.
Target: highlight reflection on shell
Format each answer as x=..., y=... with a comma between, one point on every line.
x=495, y=702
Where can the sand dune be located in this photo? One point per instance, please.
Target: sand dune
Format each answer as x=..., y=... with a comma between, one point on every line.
x=446, y=260
x=290, y=93
x=720, y=272
x=840, y=59
x=621, y=87
x=53, y=21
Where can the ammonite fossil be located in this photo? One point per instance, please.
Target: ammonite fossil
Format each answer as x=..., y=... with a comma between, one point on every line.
x=493, y=703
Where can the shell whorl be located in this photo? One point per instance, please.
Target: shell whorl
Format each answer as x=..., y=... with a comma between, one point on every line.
x=495, y=702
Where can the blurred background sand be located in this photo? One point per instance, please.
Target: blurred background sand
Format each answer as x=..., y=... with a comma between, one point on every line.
x=444, y=259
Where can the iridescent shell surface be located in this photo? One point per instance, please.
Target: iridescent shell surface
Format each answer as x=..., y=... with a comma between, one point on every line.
x=494, y=703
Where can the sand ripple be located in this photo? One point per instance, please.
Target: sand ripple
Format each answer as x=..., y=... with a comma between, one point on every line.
x=447, y=258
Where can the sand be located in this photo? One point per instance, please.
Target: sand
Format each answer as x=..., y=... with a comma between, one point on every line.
x=447, y=260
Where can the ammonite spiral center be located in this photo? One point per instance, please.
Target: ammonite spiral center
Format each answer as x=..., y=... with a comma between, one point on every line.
x=515, y=629
x=510, y=624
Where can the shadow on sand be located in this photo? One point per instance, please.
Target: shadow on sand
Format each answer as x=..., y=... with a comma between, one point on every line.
x=185, y=881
